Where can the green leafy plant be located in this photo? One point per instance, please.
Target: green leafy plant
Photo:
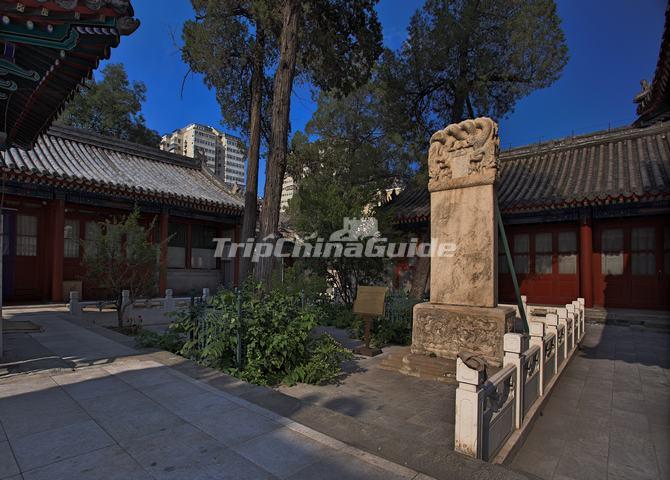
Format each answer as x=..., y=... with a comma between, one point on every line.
x=324, y=359
x=170, y=341
x=120, y=255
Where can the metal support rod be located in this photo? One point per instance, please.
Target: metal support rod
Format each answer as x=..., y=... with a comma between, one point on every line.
x=510, y=263
x=239, y=329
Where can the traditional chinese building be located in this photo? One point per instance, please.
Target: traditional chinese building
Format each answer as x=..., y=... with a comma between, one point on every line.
x=56, y=193
x=585, y=216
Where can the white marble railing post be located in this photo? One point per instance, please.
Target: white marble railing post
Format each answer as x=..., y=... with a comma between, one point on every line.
x=126, y=305
x=537, y=338
x=582, y=315
x=563, y=320
x=205, y=294
x=524, y=301
x=515, y=344
x=75, y=308
x=578, y=321
x=571, y=321
x=468, y=433
x=551, y=324
x=168, y=303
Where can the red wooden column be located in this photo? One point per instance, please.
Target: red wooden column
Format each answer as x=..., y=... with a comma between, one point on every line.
x=236, y=271
x=586, y=259
x=57, y=232
x=162, y=276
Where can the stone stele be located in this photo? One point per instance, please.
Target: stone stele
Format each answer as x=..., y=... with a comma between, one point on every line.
x=463, y=312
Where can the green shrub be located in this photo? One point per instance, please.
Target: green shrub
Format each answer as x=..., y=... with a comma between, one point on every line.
x=274, y=332
x=170, y=341
x=324, y=360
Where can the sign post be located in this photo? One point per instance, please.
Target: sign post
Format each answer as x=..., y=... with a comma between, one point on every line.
x=369, y=304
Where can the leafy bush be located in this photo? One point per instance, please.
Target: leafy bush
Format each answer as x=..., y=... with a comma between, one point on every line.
x=274, y=334
x=170, y=341
x=324, y=358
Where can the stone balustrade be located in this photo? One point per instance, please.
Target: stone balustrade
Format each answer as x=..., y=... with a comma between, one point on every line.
x=167, y=304
x=490, y=410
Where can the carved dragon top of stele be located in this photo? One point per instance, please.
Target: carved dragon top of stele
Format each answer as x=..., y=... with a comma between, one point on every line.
x=464, y=154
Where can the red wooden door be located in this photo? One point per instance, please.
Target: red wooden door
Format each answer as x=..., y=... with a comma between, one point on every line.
x=546, y=263
x=632, y=263
x=27, y=284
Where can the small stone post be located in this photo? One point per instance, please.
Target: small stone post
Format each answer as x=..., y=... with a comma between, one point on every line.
x=551, y=324
x=126, y=304
x=524, y=301
x=537, y=338
x=563, y=320
x=168, y=303
x=75, y=308
x=572, y=323
x=468, y=435
x=515, y=344
x=582, y=313
x=205, y=294
x=578, y=321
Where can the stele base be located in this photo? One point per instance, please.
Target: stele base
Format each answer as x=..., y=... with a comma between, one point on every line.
x=445, y=330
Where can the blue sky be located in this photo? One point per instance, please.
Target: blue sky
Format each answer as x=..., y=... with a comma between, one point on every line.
x=612, y=45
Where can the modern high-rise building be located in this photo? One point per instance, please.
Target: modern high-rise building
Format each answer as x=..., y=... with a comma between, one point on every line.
x=222, y=153
x=287, y=191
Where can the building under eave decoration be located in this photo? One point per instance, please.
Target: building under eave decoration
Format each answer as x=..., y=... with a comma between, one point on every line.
x=585, y=216
x=56, y=194
x=48, y=49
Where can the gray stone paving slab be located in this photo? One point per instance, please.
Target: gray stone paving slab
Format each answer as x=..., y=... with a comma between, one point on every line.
x=342, y=465
x=8, y=466
x=282, y=452
x=27, y=423
x=134, y=425
x=608, y=416
x=47, y=447
x=110, y=463
x=233, y=426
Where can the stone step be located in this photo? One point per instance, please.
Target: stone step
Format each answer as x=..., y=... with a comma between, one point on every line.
x=393, y=361
x=421, y=366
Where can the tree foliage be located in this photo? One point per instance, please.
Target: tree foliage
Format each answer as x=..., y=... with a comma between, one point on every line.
x=112, y=107
x=334, y=44
x=119, y=256
x=229, y=43
x=220, y=43
x=341, y=174
x=470, y=58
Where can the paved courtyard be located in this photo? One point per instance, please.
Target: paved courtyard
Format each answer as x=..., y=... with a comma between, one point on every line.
x=117, y=415
x=609, y=416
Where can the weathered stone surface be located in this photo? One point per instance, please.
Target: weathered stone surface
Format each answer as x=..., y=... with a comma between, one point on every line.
x=464, y=154
x=444, y=330
x=464, y=218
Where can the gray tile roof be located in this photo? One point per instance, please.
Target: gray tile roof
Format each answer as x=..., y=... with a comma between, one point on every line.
x=617, y=166
x=85, y=161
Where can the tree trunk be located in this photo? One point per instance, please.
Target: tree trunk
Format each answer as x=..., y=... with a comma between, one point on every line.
x=281, y=106
x=421, y=273
x=251, y=192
